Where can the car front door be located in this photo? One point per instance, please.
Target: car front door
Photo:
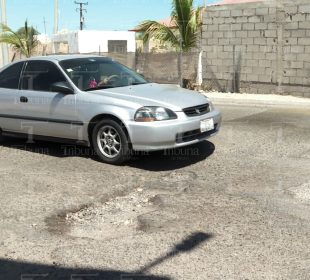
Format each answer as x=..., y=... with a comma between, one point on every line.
x=9, y=98
x=45, y=112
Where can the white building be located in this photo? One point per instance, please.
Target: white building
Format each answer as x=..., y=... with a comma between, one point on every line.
x=88, y=41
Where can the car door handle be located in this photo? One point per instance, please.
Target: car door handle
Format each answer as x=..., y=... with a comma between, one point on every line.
x=23, y=99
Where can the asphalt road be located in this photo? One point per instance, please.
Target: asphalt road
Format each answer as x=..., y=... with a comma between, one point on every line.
x=234, y=207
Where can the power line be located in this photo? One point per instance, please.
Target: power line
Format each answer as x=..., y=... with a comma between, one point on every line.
x=81, y=9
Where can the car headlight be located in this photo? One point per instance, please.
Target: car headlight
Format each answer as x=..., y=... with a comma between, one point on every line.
x=151, y=114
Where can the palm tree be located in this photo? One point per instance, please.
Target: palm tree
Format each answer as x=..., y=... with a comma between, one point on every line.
x=187, y=22
x=23, y=40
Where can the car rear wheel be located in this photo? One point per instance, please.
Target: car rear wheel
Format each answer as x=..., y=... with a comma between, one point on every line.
x=110, y=142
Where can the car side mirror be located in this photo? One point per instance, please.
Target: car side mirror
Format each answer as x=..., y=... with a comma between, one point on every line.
x=62, y=87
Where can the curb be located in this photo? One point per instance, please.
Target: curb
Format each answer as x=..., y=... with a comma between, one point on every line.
x=257, y=99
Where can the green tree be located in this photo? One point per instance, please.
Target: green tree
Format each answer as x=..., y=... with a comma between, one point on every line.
x=185, y=33
x=23, y=40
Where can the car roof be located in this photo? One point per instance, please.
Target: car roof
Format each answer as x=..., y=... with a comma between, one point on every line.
x=63, y=57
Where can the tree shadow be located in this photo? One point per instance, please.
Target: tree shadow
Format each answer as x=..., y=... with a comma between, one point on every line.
x=172, y=159
x=165, y=160
x=13, y=270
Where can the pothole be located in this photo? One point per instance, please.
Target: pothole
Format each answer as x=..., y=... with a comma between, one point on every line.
x=177, y=176
x=115, y=217
x=302, y=192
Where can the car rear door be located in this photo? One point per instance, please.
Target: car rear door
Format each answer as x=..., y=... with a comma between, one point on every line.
x=47, y=113
x=9, y=98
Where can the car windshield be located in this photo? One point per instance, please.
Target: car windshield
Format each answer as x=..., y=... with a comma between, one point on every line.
x=99, y=73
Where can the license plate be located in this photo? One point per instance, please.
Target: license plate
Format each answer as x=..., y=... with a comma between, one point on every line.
x=206, y=125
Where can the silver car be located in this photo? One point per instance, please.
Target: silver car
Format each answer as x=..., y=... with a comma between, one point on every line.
x=100, y=103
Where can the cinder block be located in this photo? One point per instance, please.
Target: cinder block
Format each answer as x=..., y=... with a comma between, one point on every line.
x=291, y=9
x=236, y=26
x=207, y=20
x=218, y=20
x=296, y=80
x=294, y=64
x=260, y=41
x=304, y=8
x=227, y=62
x=207, y=34
x=302, y=73
x=291, y=25
x=264, y=49
x=247, y=55
x=304, y=41
x=241, y=34
x=225, y=13
x=236, y=13
x=228, y=48
x=224, y=27
x=248, y=26
x=249, y=12
x=254, y=34
x=270, y=18
x=218, y=34
x=290, y=41
x=264, y=63
x=255, y=19
x=297, y=49
x=241, y=19
x=290, y=56
x=213, y=27
x=251, y=62
x=259, y=55
x=271, y=33
x=253, y=48
x=259, y=26
x=307, y=49
x=262, y=11
x=248, y=41
x=272, y=26
x=252, y=77
x=298, y=33
x=223, y=41
x=304, y=25
x=271, y=56
x=235, y=41
x=289, y=73
x=264, y=78
x=230, y=20
x=213, y=41
x=272, y=10
x=217, y=62
x=272, y=41
x=303, y=57
x=299, y=17
x=229, y=34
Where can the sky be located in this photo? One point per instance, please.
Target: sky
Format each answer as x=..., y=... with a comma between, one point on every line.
x=101, y=14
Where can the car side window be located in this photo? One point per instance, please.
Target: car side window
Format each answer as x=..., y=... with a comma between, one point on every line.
x=9, y=77
x=40, y=75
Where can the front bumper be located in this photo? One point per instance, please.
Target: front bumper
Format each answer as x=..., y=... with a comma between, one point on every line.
x=162, y=135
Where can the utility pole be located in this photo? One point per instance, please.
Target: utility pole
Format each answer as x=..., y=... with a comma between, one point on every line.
x=55, y=16
x=4, y=52
x=81, y=12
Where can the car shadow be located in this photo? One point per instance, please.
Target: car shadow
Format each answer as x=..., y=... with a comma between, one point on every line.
x=13, y=270
x=165, y=160
x=172, y=159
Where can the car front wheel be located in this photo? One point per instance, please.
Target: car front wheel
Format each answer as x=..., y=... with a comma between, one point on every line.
x=110, y=142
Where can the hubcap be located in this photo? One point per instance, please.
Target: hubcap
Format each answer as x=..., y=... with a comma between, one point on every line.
x=109, y=141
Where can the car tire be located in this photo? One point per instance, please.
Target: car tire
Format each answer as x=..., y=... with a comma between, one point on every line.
x=110, y=142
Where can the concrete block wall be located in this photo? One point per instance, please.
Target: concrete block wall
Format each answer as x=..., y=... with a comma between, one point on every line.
x=260, y=47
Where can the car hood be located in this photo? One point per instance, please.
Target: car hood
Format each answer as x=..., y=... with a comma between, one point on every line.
x=170, y=96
